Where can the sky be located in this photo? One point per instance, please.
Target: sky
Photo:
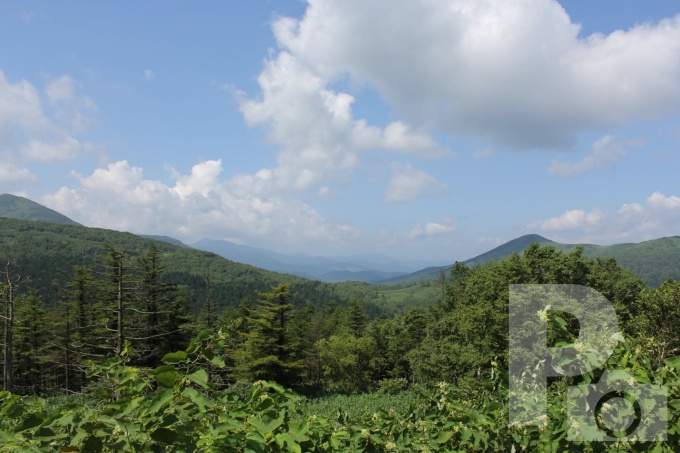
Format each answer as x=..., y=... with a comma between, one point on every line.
x=429, y=130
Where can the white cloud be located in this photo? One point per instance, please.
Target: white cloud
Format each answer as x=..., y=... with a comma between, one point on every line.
x=148, y=75
x=571, y=220
x=14, y=176
x=432, y=229
x=69, y=148
x=409, y=183
x=320, y=140
x=606, y=151
x=198, y=205
x=658, y=216
x=29, y=132
x=515, y=73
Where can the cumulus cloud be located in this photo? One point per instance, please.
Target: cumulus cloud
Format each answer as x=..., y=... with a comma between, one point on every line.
x=432, y=229
x=514, y=73
x=572, y=220
x=606, y=151
x=658, y=216
x=409, y=183
x=197, y=205
x=32, y=129
x=320, y=140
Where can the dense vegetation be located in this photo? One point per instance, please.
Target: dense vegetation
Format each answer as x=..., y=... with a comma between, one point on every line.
x=115, y=330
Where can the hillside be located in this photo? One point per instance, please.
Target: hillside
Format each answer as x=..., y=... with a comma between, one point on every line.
x=14, y=207
x=44, y=253
x=654, y=261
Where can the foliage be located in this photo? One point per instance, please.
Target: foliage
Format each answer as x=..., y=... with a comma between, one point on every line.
x=175, y=408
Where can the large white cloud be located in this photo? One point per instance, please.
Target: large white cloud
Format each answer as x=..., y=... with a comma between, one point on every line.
x=515, y=73
x=320, y=140
x=197, y=205
x=658, y=216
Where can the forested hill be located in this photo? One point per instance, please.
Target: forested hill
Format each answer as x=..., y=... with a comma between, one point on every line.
x=653, y=261
x=15, y=207
x=43, y=254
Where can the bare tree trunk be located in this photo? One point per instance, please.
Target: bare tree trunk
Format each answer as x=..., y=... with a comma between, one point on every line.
x=120, y=331
x=8, y=372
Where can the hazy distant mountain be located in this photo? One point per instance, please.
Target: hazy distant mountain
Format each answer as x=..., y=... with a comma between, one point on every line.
x=366, y=268
x=15, y=207
x=654, y=261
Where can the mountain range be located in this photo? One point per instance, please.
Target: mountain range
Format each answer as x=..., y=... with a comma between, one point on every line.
x=654, y=261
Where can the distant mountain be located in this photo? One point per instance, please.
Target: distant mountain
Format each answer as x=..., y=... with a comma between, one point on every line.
x=370, y=268
x=653, y=261
x=517, y=245
x=15, y=207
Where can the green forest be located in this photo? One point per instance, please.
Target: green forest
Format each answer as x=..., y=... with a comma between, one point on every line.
x=113, y=342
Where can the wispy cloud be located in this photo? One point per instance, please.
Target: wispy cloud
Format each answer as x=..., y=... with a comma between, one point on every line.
x=606, y=152
x=32, y=132
x=409, y=183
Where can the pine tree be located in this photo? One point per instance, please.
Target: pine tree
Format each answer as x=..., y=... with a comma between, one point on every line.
x=118, y=291
x=356, y=317
x=161, y=310
x=31, y=344
x=267, y=352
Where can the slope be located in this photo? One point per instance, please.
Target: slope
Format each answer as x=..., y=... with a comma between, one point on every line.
x=44, y=253
x=15, y=207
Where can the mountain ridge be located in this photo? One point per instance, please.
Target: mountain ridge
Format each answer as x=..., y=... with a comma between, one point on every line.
x=654, y=260
x=16, y=207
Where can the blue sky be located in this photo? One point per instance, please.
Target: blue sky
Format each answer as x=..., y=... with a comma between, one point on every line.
x=423, y=130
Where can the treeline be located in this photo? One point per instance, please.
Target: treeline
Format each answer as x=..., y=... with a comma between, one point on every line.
x=457, y=338
x=333, y=347
x=44, y=254
x=129, y=302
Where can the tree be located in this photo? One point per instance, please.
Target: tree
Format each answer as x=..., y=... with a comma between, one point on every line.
x=658, y=321
x=161, y=309
x=32, y=343
x=266, y=352
x=10, y=283
x=356, y=317
x=118, y=291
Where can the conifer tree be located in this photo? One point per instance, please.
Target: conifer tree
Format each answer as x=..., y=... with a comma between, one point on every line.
x=267, y=352
x=31, y=345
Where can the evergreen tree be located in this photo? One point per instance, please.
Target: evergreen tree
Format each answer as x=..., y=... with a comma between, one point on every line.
x=118, y=291
x=267, y=352
x=356, y=317
x=160, y=312
x=31, y=345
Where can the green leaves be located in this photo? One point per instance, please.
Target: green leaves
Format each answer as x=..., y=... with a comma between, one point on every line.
x=174, y=358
